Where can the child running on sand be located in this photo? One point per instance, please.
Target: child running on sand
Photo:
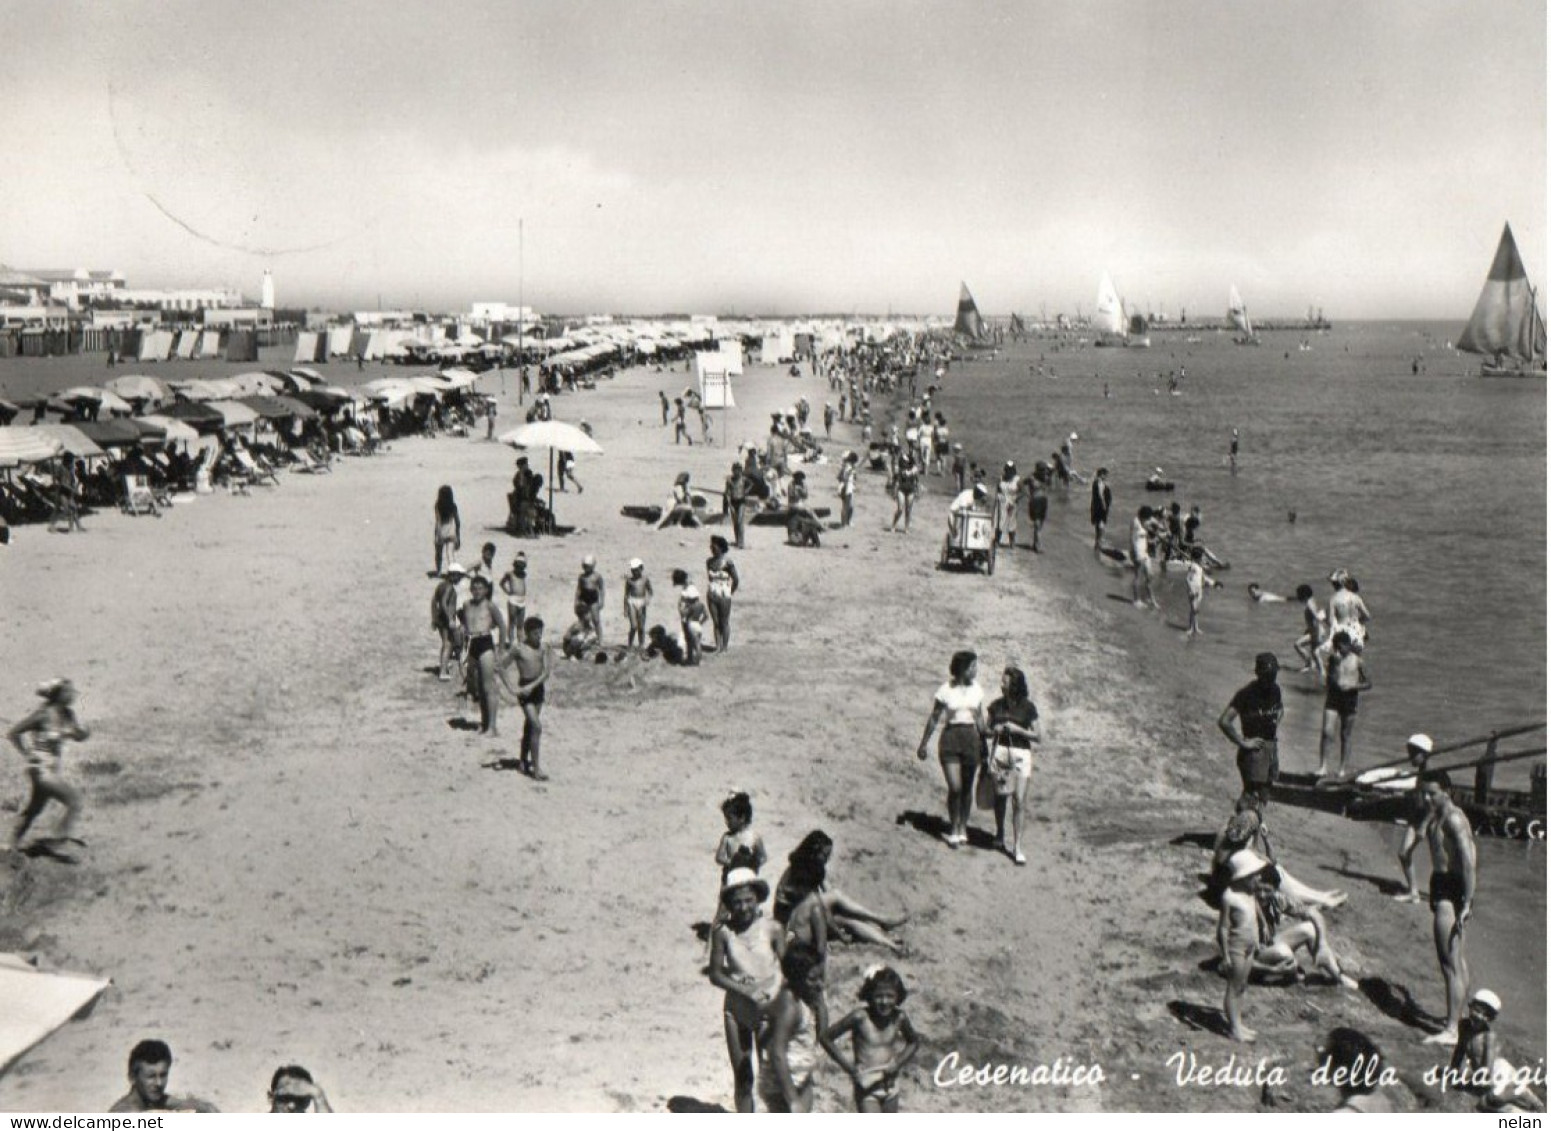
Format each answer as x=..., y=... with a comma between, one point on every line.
x=638, y=596
x=531, y=660
x=883, y=1041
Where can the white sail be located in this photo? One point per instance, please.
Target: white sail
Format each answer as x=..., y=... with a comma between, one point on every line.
x=1110, y=316
x=1238, y=313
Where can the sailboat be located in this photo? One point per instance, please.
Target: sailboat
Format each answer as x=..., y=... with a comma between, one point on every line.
x=1506, y=323
x=1238, y=314
x=968, y=324
x=1109, y=318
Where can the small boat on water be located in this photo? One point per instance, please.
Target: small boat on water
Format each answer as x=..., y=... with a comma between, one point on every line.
x=1109, y=315
x=1506, y=324
x=1385, y=793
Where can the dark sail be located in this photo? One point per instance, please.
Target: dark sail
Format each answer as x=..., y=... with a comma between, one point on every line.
x=1505, y=322
x=968, y=321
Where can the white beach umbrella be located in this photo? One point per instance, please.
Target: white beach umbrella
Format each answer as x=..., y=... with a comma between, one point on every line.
x=137, y=387
x=556, y=435
x=104, y=400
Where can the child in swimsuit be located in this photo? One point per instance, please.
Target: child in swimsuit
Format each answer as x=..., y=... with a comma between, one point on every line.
x=514, y=584
x=746, y=963
x=883, y=1041
x=638, y=595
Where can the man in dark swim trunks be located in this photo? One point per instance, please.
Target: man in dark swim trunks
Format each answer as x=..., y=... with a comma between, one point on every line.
x=1250, y=720
x=531, y=660
x=1098, y=506
x=1452, y=891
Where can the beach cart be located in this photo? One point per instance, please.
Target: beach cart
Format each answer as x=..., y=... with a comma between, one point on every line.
x=971, y=541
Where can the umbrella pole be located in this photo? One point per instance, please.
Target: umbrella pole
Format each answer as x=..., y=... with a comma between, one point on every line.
x=552, y=490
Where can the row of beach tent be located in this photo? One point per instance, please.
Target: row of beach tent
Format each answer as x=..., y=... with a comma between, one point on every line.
x=136, y=410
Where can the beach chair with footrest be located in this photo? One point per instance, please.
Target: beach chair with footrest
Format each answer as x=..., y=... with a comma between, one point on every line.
x=138, y=496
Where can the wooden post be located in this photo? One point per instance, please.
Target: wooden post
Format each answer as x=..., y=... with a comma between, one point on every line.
x=1485, y=770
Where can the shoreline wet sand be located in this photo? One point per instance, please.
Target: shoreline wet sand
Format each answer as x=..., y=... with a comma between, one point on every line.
x=296, y=857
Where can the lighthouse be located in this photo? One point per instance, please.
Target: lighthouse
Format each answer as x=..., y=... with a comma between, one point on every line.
x=267, y=299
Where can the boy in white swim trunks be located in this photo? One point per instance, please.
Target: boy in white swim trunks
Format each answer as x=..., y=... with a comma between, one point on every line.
x=638, y=596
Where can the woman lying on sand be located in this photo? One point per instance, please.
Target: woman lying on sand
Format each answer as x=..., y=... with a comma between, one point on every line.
x=814, y=910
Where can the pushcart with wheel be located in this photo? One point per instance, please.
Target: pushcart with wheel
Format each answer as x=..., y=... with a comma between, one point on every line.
x=971, y=542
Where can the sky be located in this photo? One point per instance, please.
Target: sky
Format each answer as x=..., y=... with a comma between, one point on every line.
x=717, y=156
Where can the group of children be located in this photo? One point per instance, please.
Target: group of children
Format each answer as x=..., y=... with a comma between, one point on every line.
x=772, y=971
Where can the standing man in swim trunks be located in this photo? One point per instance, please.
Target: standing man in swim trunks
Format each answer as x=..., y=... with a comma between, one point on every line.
x=1419, y=748
x=1452, y=891
x=1345, y=679
x=1250, y=720
x=1098, y=507
x=484, y=626
x=1037, y=489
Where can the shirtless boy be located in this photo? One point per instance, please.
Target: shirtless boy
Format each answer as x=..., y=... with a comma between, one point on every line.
x=484, y=625
x=882, y=1041
x=1452, y=890
x=1238, y=936
x=531, y=660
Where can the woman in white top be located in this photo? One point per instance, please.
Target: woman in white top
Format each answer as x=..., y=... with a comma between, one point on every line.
x=963, y=704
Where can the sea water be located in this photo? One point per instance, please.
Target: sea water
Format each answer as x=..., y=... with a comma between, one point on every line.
x=1377, y=449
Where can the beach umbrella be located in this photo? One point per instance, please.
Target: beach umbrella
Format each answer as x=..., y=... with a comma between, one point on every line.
x=234, y=414
x=258, y=384
x=310, y=377
x=91, y=394
x=176, y=431
x=120, y=433
x=71, y=439
x=26, y=445
x=8, y=410
x=196, y=413
x=138, y=387
x=556, y=435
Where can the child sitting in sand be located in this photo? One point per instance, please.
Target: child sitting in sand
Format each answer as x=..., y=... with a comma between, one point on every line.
x=1477, y=1069
x=1290, y=926
x=883, y=1041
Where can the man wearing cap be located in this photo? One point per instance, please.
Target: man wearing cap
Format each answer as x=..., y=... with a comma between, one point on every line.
x=1419, y=748
x=971, y=499
x=1250, y=720
x=1098, y=505
x=1451, y=890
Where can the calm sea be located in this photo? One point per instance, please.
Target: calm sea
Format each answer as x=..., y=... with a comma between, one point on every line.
x=1430, y=487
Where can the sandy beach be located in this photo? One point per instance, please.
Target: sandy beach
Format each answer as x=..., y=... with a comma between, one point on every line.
x=297, y=856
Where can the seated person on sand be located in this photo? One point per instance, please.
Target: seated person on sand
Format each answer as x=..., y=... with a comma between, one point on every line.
x=1477, y=1069
x=680, y=509
x=845, y=918
x=579, y=641
x=292, y=1091
x=150, y=1065
x=802, y=525
x=1247, y=829
x=1289, y=926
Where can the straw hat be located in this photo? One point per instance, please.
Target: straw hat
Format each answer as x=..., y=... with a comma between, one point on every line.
x=1244, y=862
x=745, y=878
x=1488, y=999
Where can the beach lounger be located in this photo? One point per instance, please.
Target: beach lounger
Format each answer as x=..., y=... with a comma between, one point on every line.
x=259, y=474
x=138, y=498
x=306, y=461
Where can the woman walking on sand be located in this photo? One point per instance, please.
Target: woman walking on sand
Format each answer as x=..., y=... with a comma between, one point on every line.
x=721, y=583
x=448, y=533
x=49, y=726
x=1015, y=729
x=961, y=704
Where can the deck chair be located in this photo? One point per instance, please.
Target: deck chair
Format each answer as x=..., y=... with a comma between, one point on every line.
x=138, y=498
x=258, y=474
x=308, y=462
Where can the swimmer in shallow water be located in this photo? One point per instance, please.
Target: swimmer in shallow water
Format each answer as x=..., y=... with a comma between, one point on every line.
x=1256, y=593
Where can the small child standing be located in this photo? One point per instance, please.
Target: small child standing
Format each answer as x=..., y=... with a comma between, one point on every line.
x=883, y=1041
x=693, y=616
x=1307, y=645
x=1196, y=585
x=740, y=846
x=514, y=584
x=638, y=596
